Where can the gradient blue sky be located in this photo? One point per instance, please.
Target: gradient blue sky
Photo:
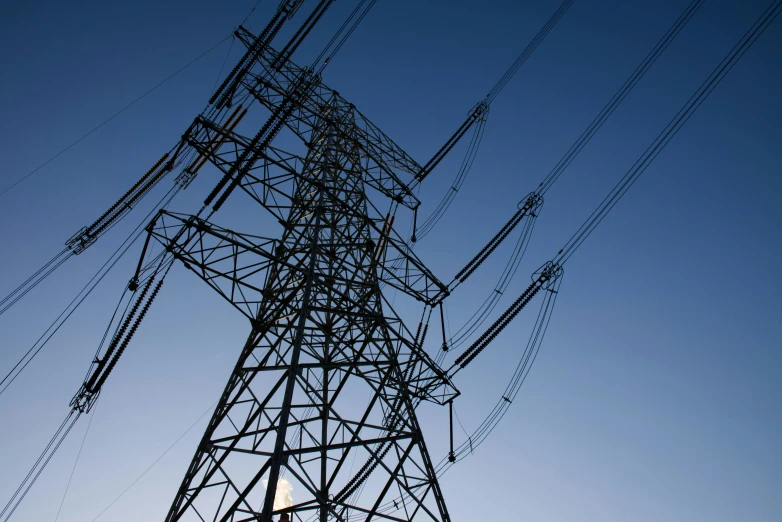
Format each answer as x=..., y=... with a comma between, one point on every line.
x=656, y=395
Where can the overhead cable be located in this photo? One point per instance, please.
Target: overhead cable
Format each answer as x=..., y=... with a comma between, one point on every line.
x=526, y=360
x=110, y=118
x=488, y=305
x=40, y=464
x=620, y=95
x=480, y=109
x=342, y=35
x=760, y=25
x=88, y=288
x=516, y=65
x=670, y=130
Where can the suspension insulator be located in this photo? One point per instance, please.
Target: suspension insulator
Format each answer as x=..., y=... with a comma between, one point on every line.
x=417, y=334
x=130, y=202
x=423, y=336
x=531, y=202
x=90, y=231
x=90, y=384
x=547, y=274
x=501, y=327
x=474, y=115
x=127, y=338
x=489, y=249
x=502, y=317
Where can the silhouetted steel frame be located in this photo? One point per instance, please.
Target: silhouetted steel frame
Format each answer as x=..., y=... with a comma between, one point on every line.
x=274, y=463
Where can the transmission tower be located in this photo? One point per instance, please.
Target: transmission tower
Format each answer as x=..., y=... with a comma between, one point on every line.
x=322, y=399
x=322, y=334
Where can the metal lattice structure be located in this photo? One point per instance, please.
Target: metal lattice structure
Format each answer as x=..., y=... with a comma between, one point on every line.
x=324, y=393
x=322, y=335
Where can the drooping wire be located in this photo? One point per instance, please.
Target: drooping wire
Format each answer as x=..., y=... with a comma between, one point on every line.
x=480, y=434
x=670, y=130
x=620, y=95
x=606, y=112
x=494, y=297
x=469, y=158
x=516, y=65
x=40, y=464
x=544, y=279
x=483, y=312
x=78, y=407
x=526, y=359
x=75, y=463
x=110, y=118
x=342, y=35
x=477, y=113
x=488, y=305
x=147, y=470
x=39, y=344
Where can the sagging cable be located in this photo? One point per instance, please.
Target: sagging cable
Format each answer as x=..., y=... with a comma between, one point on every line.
x=464, y=169
x=480, y=434
x=40, y=464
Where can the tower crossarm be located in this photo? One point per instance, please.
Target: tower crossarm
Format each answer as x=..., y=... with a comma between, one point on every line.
x=236, y=265
x=269, y=181
x=272, y=180
x=271, y=79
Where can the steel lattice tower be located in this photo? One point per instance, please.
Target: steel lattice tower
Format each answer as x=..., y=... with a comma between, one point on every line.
x=322, y=336
x=323, y=396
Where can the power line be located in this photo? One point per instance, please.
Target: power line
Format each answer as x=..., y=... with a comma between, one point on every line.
x=673, y=31
x=147, y=470
x=76, y=462
x=39, y=344
x=620, y=95
x=110, y=118
x=516, y=65
x=670, y=130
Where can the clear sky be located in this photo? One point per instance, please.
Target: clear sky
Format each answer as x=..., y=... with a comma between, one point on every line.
x=656, y=395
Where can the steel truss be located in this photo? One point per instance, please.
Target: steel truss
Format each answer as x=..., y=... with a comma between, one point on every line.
x=324, y=390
